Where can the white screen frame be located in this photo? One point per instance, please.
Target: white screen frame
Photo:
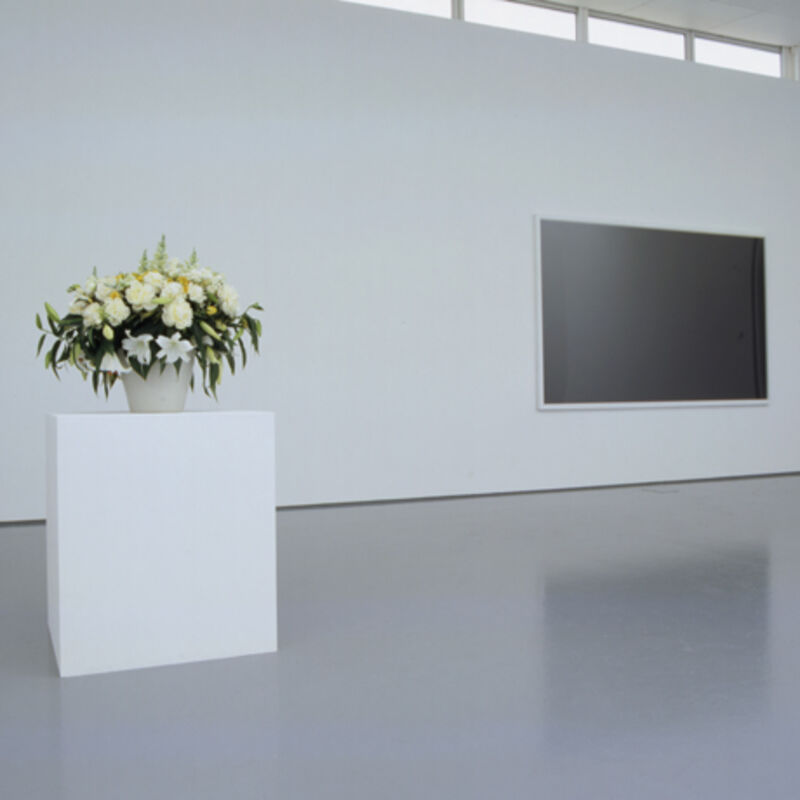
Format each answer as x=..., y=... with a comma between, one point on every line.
x=601, y=406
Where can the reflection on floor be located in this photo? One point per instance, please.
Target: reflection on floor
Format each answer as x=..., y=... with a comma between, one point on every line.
x=671, y=645
x=639, y=642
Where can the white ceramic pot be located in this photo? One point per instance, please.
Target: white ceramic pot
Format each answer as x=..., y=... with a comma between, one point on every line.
x=160, y=392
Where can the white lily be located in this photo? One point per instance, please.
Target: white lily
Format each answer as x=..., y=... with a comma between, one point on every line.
x=174, y=348
x=138, y=347
x=111, y=363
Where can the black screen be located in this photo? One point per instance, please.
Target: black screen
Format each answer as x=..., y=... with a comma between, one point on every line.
x=633, y=315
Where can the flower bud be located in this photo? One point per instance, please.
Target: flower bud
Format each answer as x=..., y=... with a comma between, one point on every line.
x=108, y=332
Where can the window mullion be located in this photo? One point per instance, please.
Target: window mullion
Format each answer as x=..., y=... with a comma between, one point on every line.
x=789, y=63
x=582, y=24
x=689, y=45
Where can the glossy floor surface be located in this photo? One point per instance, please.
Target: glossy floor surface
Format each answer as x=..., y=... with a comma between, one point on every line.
x=612, y=643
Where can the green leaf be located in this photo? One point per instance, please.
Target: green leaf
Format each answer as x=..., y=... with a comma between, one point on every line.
x=53, y=356
x=41, y=342
x=52, y=313
x=136, y=366
x=231, y=362
x=210, y=331
x=244, y=353
x=39, y=323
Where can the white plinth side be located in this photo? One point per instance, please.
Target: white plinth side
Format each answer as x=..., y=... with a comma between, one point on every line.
x=160, y=538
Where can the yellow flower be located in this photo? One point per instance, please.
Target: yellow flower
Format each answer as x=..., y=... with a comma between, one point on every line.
x=211, y=310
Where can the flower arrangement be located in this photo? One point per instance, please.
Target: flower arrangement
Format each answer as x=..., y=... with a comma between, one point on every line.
x=166, y=312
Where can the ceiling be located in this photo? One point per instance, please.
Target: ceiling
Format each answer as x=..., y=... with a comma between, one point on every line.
x=774, y=22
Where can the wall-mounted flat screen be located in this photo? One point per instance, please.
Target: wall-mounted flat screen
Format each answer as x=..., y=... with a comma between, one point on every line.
x=635, y=315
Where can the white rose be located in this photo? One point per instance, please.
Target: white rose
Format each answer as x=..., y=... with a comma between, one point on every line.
x=172, y=289
x=104, y=289
x=92, y=316
x=229, y=299
x=178, y=314
x=140, y=296
x=155, y=279
x=196, y=294
x=115, y=310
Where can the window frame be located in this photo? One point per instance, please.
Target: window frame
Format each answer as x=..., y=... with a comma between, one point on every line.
x=789, y=56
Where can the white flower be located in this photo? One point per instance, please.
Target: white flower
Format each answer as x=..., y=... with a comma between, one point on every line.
x=174, y=267
x=229, y=299
x=174, y=348
x=90, y=285
x=115, y=310
x=172, y=289
x=138, y=347
x=154, y=279
x=177, y=314
x=196, y=294
x=92, y=315
x=111, y=363
x=77, y=306
x=206, y=275
x=104, y=289
x=140, y=296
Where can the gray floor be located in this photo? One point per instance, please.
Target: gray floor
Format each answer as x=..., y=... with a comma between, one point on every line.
x=612, y=643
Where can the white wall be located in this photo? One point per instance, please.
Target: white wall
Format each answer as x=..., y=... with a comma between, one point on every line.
x=371, y=176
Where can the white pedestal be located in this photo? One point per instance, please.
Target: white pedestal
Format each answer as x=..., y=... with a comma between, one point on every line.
x=160, y=538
